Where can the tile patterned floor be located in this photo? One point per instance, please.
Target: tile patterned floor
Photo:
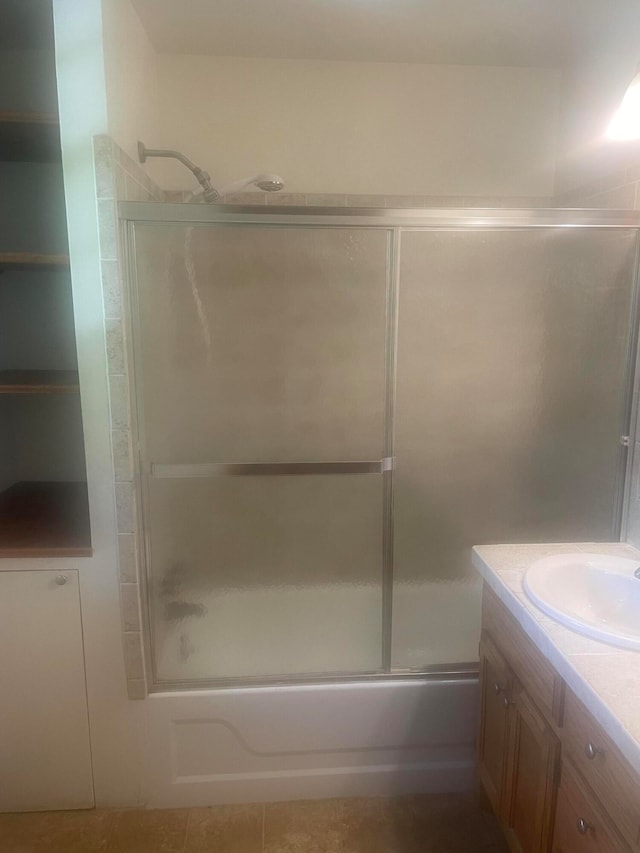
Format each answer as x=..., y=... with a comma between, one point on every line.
x=436, y=823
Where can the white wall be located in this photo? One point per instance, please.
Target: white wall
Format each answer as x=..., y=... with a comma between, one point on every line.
x=591, y=93
x=130, y=77
x=351, y=127
x=117, y=725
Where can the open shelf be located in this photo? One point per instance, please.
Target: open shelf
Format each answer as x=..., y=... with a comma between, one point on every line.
x=45, y=519
x=39, y=382
x=31, y=260
x=29, y=137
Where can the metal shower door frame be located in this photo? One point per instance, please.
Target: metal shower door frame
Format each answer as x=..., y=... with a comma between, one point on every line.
x=394, y=221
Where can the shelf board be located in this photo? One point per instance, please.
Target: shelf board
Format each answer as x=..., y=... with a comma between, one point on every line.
x=29, y=137
x=45, y=520
x=32, y=260
x=39, y=382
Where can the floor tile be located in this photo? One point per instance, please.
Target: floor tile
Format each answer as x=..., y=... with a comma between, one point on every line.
x=433, y=823
x=225, y=829
x=149, y=831
x=56, y=832
x=453, y=823
x=374, y=826
x=307, y=826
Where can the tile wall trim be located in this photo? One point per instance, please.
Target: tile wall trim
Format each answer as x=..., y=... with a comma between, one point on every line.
x=369, y=200
x=119, y=178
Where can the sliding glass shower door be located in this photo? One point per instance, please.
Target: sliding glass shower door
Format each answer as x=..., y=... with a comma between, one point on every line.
x=333, y=409
x=261, y=379
x=512, y=357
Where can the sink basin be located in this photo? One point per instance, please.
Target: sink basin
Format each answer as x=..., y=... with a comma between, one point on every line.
x=593, y=594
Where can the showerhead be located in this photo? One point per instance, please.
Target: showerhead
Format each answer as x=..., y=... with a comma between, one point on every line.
x=269, y=183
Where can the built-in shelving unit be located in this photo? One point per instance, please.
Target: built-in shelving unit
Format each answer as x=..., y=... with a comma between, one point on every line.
x=39, y=382
x=29, y=137
x=43, y=492
x=32, y=260
x=39, y=519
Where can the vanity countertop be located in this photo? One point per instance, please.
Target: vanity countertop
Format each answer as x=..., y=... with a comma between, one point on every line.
x=606, y=679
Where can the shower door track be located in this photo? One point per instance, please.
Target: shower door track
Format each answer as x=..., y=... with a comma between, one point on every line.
x=395, y=221
x=381, y=217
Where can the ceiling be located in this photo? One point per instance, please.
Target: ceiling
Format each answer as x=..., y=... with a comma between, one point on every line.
x=459, y=32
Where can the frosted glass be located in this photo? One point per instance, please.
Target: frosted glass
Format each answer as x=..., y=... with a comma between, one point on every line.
x=261, y=344
x=259, y=576
x=510, y=387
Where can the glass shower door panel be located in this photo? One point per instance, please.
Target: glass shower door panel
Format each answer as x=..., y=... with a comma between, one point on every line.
x=512, y=349
x=262, y=344
x=260, y=576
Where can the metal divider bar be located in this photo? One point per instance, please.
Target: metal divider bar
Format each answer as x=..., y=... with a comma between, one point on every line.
x=268, y=469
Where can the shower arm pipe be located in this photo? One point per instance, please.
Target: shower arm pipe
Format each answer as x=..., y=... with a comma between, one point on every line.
x=203, y=178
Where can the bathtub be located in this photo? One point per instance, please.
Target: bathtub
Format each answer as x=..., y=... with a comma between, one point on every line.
x=259, y=744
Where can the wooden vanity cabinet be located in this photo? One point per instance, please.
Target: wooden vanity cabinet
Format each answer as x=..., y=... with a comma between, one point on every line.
x=532, y=757
x=496, y=684
x=554, y=779
x=518, y=754
x=579, y=826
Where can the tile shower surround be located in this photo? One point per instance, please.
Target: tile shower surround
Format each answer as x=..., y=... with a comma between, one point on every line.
x=119, y=178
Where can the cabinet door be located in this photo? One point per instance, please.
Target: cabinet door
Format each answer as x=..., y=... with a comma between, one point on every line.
x=579, y=825
x=45, y=760
x=495, y=687
x=530, y=777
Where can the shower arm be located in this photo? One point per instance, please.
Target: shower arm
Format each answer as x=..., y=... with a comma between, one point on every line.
x=208, y=191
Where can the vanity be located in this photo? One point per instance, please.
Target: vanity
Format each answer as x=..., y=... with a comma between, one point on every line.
x=559, y=735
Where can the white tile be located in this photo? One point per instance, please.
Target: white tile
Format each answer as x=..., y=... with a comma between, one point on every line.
x=119, y=402
x=405, y=201
x=104, y=174
x=571, y=643
x=129, y=598
x=127, y=558
x=136, y=688
x=121, y=450
x=125, y=508
x=107, y=229
x=133, y=659
x=111, y=296
x=245, y=198
x=326, y=199
x=115, y=346
x=134, y=191
x=120, y=183
x=365, y=201
x=294, y=199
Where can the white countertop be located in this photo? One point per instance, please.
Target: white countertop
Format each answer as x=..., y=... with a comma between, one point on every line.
x=604, y=678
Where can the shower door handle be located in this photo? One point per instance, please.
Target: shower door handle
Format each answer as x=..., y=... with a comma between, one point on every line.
x=267, y=469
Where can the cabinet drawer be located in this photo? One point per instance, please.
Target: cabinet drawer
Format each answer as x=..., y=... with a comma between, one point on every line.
x=580, y=826
x=530, y=666
x=603, y=768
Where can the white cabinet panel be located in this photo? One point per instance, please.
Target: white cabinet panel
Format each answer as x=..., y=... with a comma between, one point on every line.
x=45, y=759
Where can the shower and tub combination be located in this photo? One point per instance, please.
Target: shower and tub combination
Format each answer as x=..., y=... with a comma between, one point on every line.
x=333, y=406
